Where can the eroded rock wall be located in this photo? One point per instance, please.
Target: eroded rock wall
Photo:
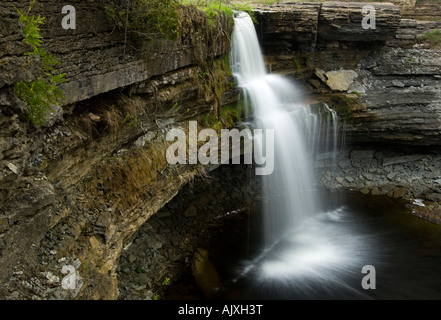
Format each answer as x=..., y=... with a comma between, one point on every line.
x=97, y=56
x=384, y=82
x=73, y=191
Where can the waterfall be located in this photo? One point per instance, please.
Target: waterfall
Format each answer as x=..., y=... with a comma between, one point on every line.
x=273, y=102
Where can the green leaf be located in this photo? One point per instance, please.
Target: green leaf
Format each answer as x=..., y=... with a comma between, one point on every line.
x=39, y=95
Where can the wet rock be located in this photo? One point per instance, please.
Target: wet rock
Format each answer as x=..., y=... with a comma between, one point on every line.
x=290, y=26
x=349, y=179
x=344, y=164
x=391, y=176
x=401, y=159
x=191, y=211
x=362, y=154
x=205, y=273
x=398, y=193
x=435, y=197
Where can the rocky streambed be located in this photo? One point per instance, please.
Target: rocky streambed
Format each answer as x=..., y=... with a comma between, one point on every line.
x=394, y=173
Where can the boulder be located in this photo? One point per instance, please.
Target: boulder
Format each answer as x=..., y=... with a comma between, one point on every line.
x=340, y=80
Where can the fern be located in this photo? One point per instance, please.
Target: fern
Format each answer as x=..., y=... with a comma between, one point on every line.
x=39, y=95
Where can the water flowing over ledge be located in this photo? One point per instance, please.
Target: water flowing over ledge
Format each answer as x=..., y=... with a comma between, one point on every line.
x=289, y=201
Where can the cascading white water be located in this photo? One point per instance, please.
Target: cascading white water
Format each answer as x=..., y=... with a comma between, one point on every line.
x=273, y=100
x=289, y=202
x=310, y=251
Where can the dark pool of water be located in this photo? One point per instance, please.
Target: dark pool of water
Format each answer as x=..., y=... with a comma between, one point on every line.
x=323, y=257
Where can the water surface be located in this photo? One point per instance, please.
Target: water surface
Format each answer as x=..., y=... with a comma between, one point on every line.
x=323, y=257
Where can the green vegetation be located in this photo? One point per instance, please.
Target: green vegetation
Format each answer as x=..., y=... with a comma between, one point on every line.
x=358, y=94
x=228, y=116
x=146, y=16
x=433, y=38
x=271, y=2
x=344, y=105
x=131, y=121
x=213, y=7
x=39, y=95
x=204, y=27
x=140, y=270
x=213, y=80
x=166, y=17
x=166, y=281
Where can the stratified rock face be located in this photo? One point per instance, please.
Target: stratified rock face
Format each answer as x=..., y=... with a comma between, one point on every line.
x=299, y=26
x=97, y=56
x=292, y=25
x=402, y=99
x=343, y=21
x=385, y=85
x=74, y=191
x=419, y=9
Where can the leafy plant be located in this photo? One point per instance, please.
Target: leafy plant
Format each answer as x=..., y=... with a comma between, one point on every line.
x=166, y=281
x=140, y=269
x=39, y=95
x=146, y=16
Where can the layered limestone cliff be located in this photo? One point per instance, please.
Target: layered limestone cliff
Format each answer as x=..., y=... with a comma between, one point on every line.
x=384, y=82
x=74, y=191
